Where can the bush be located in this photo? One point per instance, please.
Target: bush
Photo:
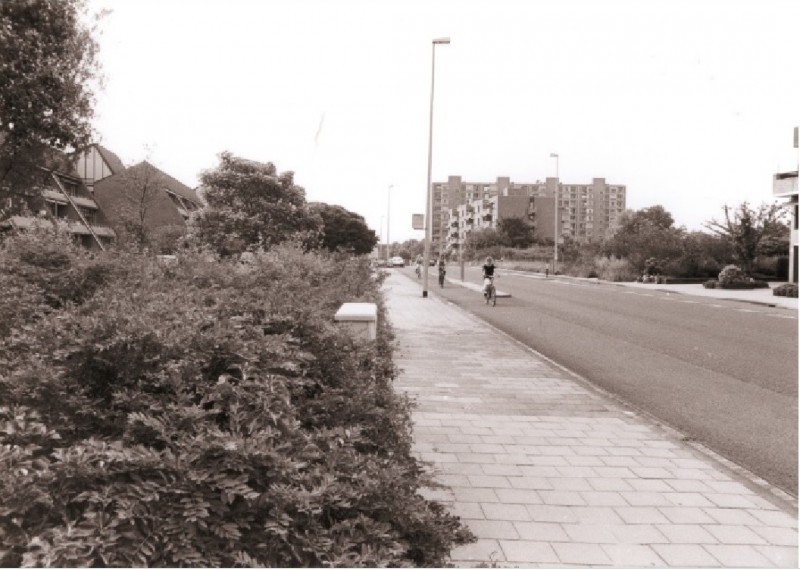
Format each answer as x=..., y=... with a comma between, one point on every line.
x=785, y=290
x=205, y=413
x=751, y=284
x=614, y=269
x=731, y=274
x=710, y=284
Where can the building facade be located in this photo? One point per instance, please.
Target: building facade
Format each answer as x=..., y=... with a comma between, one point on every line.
x=785, y=186
x=586, y=212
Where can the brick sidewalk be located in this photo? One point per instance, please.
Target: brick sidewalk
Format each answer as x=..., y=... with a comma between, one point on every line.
x=547, y=472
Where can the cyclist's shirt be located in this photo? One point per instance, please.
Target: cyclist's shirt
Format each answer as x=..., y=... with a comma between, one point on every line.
x=488, y=270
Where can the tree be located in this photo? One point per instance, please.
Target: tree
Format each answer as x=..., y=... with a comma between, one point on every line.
x=515, y=232
x=48, y=64
x=644, y=234
x=752, y=231
x=251, y=206
x=343, y=230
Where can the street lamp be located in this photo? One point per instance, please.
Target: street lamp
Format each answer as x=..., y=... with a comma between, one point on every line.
x=555, y=208
x=388, y=214
x=429, y=205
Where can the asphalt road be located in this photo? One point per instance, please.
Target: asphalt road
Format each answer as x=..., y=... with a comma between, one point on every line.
x=723, y=373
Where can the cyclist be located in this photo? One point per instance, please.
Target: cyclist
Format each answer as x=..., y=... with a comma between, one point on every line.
x=418, y=268
x=488, y=275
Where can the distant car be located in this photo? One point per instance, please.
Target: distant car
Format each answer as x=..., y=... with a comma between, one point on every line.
x=397, y=261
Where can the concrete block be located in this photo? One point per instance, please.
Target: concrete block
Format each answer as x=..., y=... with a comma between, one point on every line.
x=360, y=318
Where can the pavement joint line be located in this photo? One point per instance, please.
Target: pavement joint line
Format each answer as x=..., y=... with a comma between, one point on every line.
x=779, y=497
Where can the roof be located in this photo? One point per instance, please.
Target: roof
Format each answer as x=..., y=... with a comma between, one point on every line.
x=111, y=159
x=172, y=184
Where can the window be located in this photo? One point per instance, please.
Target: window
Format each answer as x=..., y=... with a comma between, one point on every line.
x=57, y=210
x=70, y=187
x=87, y=213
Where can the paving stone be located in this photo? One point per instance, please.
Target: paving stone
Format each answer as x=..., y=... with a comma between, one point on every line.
x=731, y=500
x=466, y=510
x=557, y=498
x=528, y=551
x=483, y=550
x=517, y=496
x=489, y=481
x=540, y=531
x=639, y=534
x=507, y=512
x=555, y=514
x=738, y=556
x=589, y=533
x=641, y=515
x=633, y=556
x=686, y=533
x=492, y=529
x=681, y=515
x=785, y=557
x=594, y=514
x=735, y=534
x=646, y=498
x=686, y=556
x=610, y=485
x=773, y=518
x=732, y=516
x=612, y=499
x=781, y=536
x=581, y=554
x=474, y=495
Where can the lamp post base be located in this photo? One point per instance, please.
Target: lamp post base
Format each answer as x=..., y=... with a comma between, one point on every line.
x=424, y=293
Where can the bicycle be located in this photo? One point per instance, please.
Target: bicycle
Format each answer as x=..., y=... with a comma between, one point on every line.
x=490, y=292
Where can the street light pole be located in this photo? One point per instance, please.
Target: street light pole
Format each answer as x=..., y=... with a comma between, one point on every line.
x=429, y=201
x=555, y=208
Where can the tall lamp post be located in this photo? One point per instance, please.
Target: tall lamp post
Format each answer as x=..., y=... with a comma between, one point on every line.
x=555, y=226
x=429, y=205
x=388, y=217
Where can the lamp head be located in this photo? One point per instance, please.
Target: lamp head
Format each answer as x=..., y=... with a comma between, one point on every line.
x=441, y=41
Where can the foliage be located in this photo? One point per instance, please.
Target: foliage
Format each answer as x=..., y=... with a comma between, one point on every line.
x=207, y=413
x=409, y=250
x=753, y=231
x=481, y=240
x=250, y=206
x=643, y=234
x=710, y=284
x=515, y=232
x=343, y=230
x=49, y=61
x=786, y=290
x=614, y=269
x=732, y=277
x=702, y=255
x=43, y=270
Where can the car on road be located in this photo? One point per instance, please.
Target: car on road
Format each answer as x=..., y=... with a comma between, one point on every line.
x=397, y=261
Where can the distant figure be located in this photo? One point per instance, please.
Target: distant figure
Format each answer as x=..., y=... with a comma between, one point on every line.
x=442, y=271
x=547, y=271
x=488, y=274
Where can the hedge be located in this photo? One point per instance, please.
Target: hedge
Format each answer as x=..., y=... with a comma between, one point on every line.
x=206, y=414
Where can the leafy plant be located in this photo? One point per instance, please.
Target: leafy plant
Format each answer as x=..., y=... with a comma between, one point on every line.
x=786, y=290
x=210, y=413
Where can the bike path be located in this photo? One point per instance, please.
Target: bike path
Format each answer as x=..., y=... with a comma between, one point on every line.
x=547, y=471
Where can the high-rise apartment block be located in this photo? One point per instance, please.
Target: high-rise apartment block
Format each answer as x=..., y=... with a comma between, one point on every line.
x=586, y=212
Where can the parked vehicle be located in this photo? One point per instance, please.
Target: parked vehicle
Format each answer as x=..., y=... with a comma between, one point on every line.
x=397, y=261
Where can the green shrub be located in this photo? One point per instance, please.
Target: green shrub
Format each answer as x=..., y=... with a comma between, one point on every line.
x=710, y=284
x=750, y=284
x=785, y=290
x=731, y=274
x=211, y=414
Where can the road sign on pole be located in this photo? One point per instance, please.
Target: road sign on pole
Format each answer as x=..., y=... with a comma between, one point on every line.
x=418, y=221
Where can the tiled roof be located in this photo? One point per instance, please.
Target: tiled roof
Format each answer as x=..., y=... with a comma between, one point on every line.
x=111, y=159
x=174, y=184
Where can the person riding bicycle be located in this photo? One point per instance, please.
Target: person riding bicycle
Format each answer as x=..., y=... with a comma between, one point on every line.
x=488, y=275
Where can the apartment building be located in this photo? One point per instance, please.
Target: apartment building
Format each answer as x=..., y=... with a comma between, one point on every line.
x=586, y=212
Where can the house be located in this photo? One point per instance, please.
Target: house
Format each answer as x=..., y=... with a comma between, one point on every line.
x=66, y=200
x=143, y=200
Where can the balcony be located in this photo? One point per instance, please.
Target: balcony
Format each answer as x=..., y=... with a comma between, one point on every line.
x=785, y=184
x=487, y=217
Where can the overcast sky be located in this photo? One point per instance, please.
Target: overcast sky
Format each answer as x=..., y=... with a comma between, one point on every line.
x=691, y=104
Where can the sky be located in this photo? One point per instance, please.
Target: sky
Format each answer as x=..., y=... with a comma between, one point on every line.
x=690, y=104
